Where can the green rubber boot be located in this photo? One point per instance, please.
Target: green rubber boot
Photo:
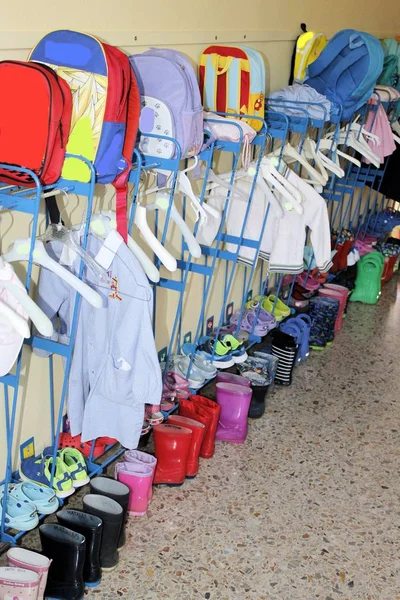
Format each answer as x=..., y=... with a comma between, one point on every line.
x=368, y=280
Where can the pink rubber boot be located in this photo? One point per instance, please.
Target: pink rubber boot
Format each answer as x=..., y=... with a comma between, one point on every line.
x=138, y=477
x=18, y=583
x=232, y=378
x=235, y=402
x=136, y=456
x=32, y=561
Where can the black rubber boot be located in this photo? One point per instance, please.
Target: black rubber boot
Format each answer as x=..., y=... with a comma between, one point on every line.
x=117, y=491
x=257, y=404
x=285, y=349
x=67, y=550
x=91, y=528
x=110, y=512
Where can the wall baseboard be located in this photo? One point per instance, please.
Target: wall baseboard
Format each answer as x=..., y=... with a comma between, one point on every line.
x=21, y=40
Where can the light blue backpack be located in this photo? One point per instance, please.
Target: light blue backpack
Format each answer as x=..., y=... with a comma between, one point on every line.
x=391, y=66
x=347, y=69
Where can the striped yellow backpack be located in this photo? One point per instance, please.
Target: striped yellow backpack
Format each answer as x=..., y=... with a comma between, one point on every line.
x=232, y=80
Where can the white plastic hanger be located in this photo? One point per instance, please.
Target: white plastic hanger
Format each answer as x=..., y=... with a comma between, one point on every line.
x=309, y=150
x=59, y=233
x=165, y=257
x=162, y=202
x=37, y=316
x=20, y=252
x=292, y=155
x=184, y=186
x=17, y=322
x=360, y=145
x=292, y=196
x=359, y=130
x=223, y=180
x=331, y=165
x=329, y=145
x=101, y=224
x=355, y=136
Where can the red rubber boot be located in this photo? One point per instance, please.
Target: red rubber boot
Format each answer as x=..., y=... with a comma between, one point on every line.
x=198, y=430
x=187, y=408
x=172, y=445
x=214, y=410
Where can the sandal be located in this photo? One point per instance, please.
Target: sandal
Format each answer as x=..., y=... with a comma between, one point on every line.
x=21, y=516
x=307, y=282
x=253, y=325
x=42, y=497
x=66, y=440
x=175, y=386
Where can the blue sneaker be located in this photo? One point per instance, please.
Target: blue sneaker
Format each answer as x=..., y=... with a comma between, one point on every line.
x=237, y=348
x=38, y=470
x=205, y=349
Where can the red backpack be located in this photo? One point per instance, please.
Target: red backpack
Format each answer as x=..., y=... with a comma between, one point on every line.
x=35, y=118
x=106, y=108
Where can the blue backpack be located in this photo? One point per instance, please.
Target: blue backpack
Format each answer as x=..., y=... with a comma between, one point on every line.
x=347, y=69
x=391, y=67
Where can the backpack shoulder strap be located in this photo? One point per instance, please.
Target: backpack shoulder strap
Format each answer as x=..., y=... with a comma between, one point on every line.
x=331, y=50
x=345, y=64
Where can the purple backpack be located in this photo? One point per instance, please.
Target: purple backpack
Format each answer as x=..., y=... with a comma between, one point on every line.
x=171, y=103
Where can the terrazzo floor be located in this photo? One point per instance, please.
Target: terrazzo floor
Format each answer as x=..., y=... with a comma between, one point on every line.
x=308, y=508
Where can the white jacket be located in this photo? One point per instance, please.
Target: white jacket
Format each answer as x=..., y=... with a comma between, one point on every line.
x=288, y=248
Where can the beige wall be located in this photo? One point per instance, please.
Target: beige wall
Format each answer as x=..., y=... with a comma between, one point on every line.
x=265, y=25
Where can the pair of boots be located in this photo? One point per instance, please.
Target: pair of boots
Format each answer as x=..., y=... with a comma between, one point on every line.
x=253, y=377
x=323, y=312
x=137, y=471
x=368, y=281
x=234, y=401
x=25, y=577
x=338, y=292
x=284, y=348
x=82, y=545
x=184, y=438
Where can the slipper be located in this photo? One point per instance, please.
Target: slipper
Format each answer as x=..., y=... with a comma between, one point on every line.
x=108, y=441
x=145, y=428
x=175, y=386
x=232, y=329
x=166, y=405
x=251, y=324
x=21, y=516
x=280, y=307
x=156, y=418
x=66, y=440
x=307, y=281
x=268, y=306
x=42, y=497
